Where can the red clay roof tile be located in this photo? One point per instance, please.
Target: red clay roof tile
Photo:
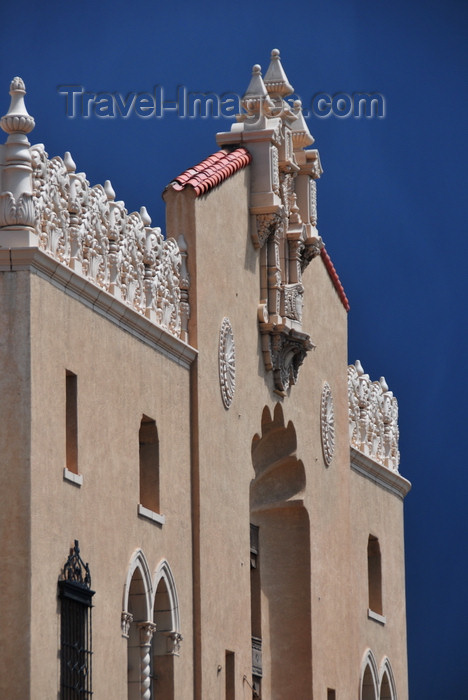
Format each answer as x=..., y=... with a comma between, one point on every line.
x=334, y=278
x=212, y=171
x=218, y=167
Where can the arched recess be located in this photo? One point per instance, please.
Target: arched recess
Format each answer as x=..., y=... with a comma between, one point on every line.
x=387, y=681
x=369, y=677
x=167, y=637
x=281, y=571
x=138, y=627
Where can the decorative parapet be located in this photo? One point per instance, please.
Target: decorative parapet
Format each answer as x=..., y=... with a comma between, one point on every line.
x=85, y=229
x=373, y=418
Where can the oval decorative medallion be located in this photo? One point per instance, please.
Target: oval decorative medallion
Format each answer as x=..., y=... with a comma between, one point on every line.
x=327, y=424
x=227, y=362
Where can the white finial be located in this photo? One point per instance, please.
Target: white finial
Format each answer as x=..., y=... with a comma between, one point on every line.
x=276, y=81
x=295, y=215
x=109, y=190
x=69, y=162
x=359, y=368
x=145, y=217
x=17, y=120
x=383, y=384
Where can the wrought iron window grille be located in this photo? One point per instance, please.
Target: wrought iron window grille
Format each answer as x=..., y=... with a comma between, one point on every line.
x=75, y=628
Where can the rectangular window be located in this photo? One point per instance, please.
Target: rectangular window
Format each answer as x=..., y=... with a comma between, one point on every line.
x=331, y=695
x=230, y=676
x=71, y=413
x=149, y=464
x=374, y=573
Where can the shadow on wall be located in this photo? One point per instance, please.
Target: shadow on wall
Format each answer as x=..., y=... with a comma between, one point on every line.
x=277, y=509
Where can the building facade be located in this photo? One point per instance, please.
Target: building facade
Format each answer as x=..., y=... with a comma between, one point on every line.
x=200, y=500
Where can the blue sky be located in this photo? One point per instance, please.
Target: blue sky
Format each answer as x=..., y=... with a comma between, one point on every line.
x=391, y=207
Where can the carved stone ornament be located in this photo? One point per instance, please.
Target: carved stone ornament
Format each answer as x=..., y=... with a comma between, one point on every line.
x=84, y=228
x=174, y=640
x=373, y=418
x=266, y=226
x=227, y=362
x=327, y=424
x=284, y=352
x=283, y=208
x=126, y=620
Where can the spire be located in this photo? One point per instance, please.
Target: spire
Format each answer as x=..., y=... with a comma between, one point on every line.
x=256, y=93
x=300, y=131
x=256, y=86
x=276, y=81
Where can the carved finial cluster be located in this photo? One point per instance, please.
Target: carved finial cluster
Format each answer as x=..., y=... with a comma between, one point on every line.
x=283, y=202
x=373, y=418
x=84, y=228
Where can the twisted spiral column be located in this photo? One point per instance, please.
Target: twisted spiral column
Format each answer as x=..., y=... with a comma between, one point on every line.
x=147, y=629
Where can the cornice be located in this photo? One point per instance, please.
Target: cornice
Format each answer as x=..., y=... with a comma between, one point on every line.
x=75, y=285
x=384, y=477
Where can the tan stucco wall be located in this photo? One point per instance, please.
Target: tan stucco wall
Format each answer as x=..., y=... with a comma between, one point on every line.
x=329, y=648
x=15, y=408
x=119, y=379
x=313, y=546
x=379, y=513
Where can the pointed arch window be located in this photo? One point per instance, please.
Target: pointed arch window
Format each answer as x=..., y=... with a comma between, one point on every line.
x=369, y=677
x=387, y=682
x=75, y=628
x=167, y=639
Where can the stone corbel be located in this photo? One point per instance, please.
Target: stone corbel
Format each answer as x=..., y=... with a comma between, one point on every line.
x=284, y=350
x=312, y=247
x=174, y=640
x=126, y=620
x=266, y=225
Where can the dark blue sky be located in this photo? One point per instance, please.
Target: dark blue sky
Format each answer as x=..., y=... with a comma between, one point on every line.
x=392, y=207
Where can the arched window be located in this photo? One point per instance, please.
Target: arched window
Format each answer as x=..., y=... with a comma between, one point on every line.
x=374, y=571
x=138, y=627
x=167, y=637
x=369, y=677
x=387, y=682
x=149, y=464
x=75, y=628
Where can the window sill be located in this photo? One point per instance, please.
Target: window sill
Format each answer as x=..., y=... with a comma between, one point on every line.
x=151, y=515
x=375, y=616
x=73, y=478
